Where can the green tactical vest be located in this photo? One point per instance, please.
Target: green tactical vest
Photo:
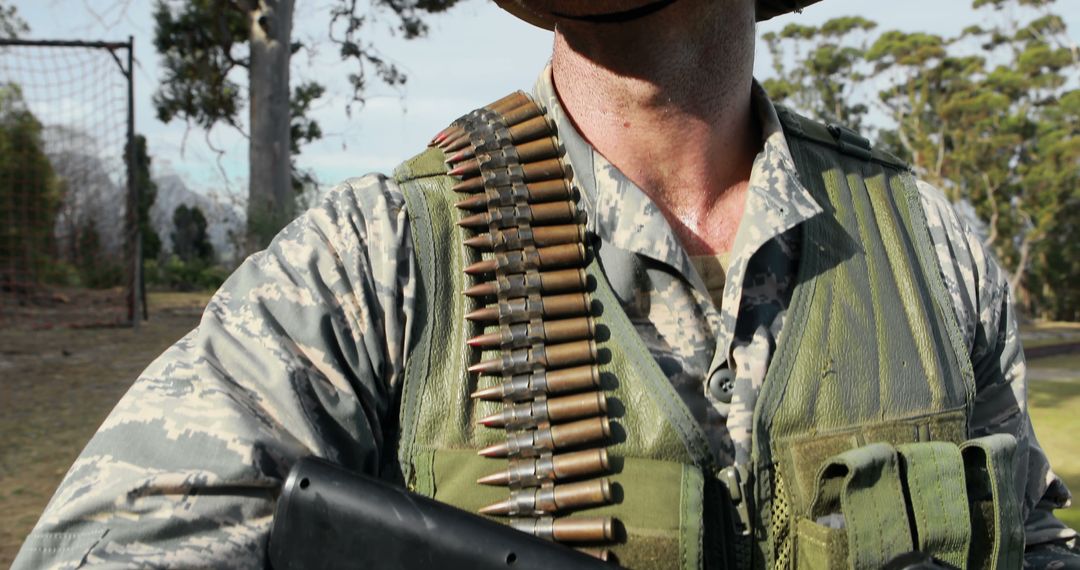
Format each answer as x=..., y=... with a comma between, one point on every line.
x=861, y=448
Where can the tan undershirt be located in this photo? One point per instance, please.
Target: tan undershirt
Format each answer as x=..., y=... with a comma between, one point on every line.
x=713, y=272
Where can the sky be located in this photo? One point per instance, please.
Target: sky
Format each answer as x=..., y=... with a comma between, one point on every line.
x=473, y=54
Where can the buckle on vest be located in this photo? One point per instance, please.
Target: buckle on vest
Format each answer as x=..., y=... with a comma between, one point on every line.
x=733, y=477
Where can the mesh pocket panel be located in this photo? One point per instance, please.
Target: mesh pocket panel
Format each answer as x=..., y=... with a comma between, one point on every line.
x=780, y=525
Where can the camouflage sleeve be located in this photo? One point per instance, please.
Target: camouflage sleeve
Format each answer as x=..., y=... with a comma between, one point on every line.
x=980, y=295
x=297, y=354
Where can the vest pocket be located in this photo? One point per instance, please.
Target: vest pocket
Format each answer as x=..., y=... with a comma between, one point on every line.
x=996, y=524
x=933, y=476
x=877, y=502
x=860, y=494
x=818, y=546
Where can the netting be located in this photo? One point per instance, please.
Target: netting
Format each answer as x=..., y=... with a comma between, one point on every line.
x=66, y=236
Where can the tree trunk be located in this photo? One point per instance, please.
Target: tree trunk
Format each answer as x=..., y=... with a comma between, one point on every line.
x=270, y=199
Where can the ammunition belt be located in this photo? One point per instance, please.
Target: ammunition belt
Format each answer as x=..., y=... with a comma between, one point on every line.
x=536, y=316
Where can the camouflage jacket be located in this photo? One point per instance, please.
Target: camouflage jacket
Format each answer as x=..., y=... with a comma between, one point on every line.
x=302, y=352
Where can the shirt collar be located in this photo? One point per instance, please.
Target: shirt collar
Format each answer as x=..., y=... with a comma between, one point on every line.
x=621, y=214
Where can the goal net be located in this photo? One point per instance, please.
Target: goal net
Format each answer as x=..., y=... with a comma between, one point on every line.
x=67, y=247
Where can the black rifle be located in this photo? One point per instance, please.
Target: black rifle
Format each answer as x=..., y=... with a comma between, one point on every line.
x=329, y=517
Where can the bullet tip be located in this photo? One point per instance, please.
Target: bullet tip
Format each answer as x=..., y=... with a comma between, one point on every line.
x=485, y=367
x=492, y=421
x=497, y=450
x=500, y=508
x=495, y=479
x=493, y=393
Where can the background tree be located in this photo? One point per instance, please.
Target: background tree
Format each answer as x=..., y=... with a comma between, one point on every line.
x=11, y=25
x=205, y=43
x=827, y=67
x=989, y=116
x=189, y=240
x=151, y=242
x=30, y=192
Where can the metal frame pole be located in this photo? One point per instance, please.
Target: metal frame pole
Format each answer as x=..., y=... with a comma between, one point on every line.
x=137, y=307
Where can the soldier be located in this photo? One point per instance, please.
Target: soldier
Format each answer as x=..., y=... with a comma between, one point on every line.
x=775, y=306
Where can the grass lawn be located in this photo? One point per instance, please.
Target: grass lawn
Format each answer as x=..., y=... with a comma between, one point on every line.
x=1045, y=333
x=1054, y=404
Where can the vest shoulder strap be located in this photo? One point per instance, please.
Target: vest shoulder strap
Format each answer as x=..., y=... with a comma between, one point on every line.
x=838, y=137
x=427, y=163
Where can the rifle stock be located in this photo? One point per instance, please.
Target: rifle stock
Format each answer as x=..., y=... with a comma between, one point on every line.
x=329, y=518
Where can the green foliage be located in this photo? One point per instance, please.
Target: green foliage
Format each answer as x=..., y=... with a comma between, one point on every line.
x=30, y=192
x=196, y=42
x=189, y=239
x=829, y=67
x=302, y=130
x=11, y=25
x=151, y=242
x=990, y=116
x=177, y=275
x=94, y=269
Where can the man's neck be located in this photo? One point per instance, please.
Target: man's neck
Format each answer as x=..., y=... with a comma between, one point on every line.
x=667, y=101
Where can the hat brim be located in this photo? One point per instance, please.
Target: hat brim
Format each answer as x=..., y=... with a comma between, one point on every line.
x=766, y=9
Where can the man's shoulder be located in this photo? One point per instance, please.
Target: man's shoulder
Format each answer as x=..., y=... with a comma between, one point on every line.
x=372, y=196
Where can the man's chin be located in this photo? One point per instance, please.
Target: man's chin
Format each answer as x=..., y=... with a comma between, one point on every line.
x=596, y=11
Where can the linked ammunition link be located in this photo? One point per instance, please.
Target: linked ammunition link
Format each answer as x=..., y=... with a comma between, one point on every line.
x=530, y=280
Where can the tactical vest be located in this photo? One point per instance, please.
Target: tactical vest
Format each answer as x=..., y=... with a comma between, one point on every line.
x=861, y=450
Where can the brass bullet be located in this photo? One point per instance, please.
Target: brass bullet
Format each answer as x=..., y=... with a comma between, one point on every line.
x=577, y=406
x=531, y=172
x=469, y=185
x=543, y=191
x=573, y=379
x=541, y=382
x=545, y=170
x=467, y=152
x=532, y=443
x=530, y=472
x=454, y=136
x=511, y=101
x=521, y=114
x=454, y=130
x=550, y=498
x=456, y=143
x=544, y=356
x=440, y=136
x=518, y=310
x=568, y=529
x=602, y=554
x=518, y=261
x=531, y=414
x=528, y=130
x=531, y=151
x=507, y=216
x=518, y=284
x=537, y=150
x=517, y=335
x=580, y=432
x=465, y=169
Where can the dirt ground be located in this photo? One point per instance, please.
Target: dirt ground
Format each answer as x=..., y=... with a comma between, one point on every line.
x=52, y=307
x=58, y=385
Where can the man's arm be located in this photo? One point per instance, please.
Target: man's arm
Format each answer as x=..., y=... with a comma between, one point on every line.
x=980, y=295
x=297, y=354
